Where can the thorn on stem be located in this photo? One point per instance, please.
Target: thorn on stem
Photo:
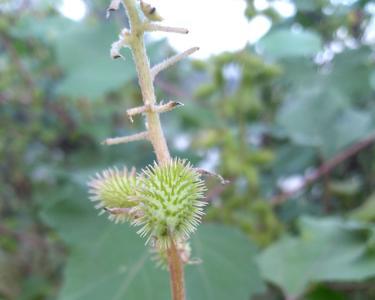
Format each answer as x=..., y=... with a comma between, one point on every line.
x=126, y=139
x=211, y=174
x=150, y=27
x=171, y=61
x=115, y=4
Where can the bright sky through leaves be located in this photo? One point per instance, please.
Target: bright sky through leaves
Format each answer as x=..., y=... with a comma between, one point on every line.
x=215, y=26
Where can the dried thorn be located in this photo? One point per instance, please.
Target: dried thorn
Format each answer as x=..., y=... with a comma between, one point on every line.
x=167, y=107
x=171, y=61
x=115, y=4
x=155, y=27
x=137, y=111
x=211, y=174
x=126, y=139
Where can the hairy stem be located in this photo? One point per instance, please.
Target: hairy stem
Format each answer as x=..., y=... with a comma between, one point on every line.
x=177, y=273
x=155, y=131
x=142, y=63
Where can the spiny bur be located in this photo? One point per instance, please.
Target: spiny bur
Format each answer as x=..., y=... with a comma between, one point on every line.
x=115, y=192
x=165, y=200
x=171, y=199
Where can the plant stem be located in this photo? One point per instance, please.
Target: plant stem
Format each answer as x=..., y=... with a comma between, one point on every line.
x=142, y=63
x=177, y=273
x=155, y=131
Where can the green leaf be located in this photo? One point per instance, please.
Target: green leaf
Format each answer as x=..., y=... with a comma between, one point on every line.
x=347, y=63
x=366, y=212
x=83, y=53
x=109, y=261
x=326, y=250
x=372, y=80
x=284, y=43
x=307, y=5
x=323, y=119
x=324, y=293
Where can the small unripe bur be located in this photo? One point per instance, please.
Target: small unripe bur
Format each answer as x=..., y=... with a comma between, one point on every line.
x=114, y=189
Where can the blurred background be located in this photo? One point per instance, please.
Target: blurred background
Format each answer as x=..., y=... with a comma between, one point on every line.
x=280, y=100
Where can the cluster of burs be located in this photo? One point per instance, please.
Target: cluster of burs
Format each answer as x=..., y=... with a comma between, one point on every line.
x=165, y=199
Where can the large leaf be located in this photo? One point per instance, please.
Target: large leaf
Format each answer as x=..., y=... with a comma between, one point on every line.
x=283, y=43
x=323, y=119
x=110, y=261
x=346, y=64
x=83, y=53
x=327, y=250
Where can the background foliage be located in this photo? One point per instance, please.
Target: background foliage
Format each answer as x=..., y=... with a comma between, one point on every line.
x=289, y=120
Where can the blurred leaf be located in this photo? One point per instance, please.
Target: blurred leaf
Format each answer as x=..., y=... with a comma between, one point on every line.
x=372, y=80
x=283, y=43
x=323, y=119
x=109, y=261
x=307, y=5
x=326, y=250
x=83, y=53
x=346, y=188
x=347, y=63
x=303, y=157
x=47, y=29
x=366, y=212
x=324, y=293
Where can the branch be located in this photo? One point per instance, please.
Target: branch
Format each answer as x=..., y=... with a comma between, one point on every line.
x=151, y=27
x=126, y=139
x=171, y=61
x=326, y=168
x=171, y=105
x=137, y=111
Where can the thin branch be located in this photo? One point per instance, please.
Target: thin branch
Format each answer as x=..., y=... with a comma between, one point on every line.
x=325, y=169
x=126, y=139
x=171, y=61
x=171, y=105
x=137, y=111
x=151, y=27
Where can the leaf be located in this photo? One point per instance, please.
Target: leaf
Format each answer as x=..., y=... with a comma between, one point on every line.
x=284, y=43
x=83, y=53
x=372, y=80
x=347, y=63
x=228, y=270
x=109, y=261
x=323, y=119
x=366, y=212
x=323, y=293
x=306, y=5
x=326, y=250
